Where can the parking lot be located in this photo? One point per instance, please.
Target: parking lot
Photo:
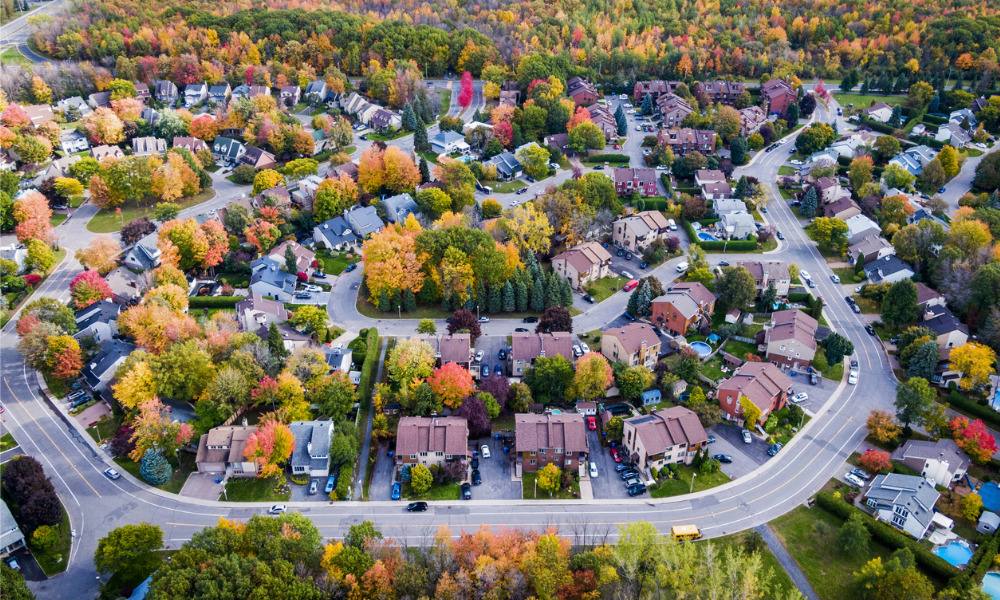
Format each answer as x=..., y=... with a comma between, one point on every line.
x=818, y=394
x=607, y=484
x=382, y=478
x=729, y=441
x=496, y=472
x=491, y=346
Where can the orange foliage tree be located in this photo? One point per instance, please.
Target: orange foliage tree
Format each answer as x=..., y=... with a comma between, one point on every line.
x=270, y=446
x=452, y=384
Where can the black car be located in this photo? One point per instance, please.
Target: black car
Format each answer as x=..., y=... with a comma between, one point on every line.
x=529, y=320
x=643, y=265
x=502, y=354
x=364, y=137
x=416, y=507
x=775, y=449
x=814, y=379
x=520, y=330
x=628, y=317
x=628, y=256
x=589, y=298
x=637, y=490
x=466, y=491
x=530, y=179
x=621, y=252
x=628, y=473
x=870, y=329
x=350, y=267
x=781, y=236
x=599, y=168
x=622, y=467
x=849, y=299
x=476, y=477
x=723, y=458
x=475, y=462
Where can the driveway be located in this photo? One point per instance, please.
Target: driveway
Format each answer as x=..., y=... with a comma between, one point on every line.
x=607, y=484
x=202, y=486
x=743, y=461
x=383, y=477
x=491, y=346
x=29, y=567
x=317, y=299
x=496, y=472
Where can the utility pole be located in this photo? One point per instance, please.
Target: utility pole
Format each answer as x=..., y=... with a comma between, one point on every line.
x=693, y=475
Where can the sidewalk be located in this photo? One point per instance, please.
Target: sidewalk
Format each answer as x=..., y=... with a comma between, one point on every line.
x=359, y=489
x=787, y=562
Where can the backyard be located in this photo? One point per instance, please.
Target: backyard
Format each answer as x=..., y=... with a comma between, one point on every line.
x=865, y=100
x=108, y=221
x=529, y=490
x=681, y=483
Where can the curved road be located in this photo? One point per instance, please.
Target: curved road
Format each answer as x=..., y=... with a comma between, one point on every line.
x=96, y=505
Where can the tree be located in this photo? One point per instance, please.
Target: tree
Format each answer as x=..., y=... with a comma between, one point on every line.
x=33, y=217
x=100, y=254
x=465, y=320
x=633, y=381
x=528, y=227
x=63, y=357
x=104, y=127
x=262, y=235
x=831, y=234
x=592, y=377
x=586, y=136
x=457, y=181
x=836, y=347
x=420, y=479
x=135, y=387
x=814, y=138
x=490, y=208
x=154, y=468
x=451, y=383
x=751, y=412
x=555, y=318
x=969, y=235
x=548, y=478
x=726, y=122
x=388, y=169
x=87, y=288
x=974, y=439
x=975, y=362
x=949, y=161
x=736, y=288
x=853, y=536
x=433, y=202
x=933, y=176
x=895, y=176
x=972, y=506
x=860, y=172
x=126, y=545
x=165, y=211
x=876, y=461
x=40, y=256
x=549, y=378
x=534, y=159
x=427, y=327
x=153, y=428
x=899, y=307
x=738, y=150
x=409, y=360
x=913, y=398
x=987, y=175
x=310, y=318
x=68, y=187
x=267, y=179
x=205, y=128
x=270, y=446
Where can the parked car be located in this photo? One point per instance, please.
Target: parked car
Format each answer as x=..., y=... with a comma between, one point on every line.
x=711, y=439
x=615, y=455
x=637, y=490
x=312, y=288
x=852, y=378
x=854, y=364
x=112, y=474
x=854, y=480
x=483, y=319
x=520, y=330
x=477, y=478
x=861, y=474
x=589, y=298
x=76, y=394
x=12, y=563
x=628, y=317
x=498, y=369
x=416, y=507
x=599, y=167
x=802, y=397
x=466, y=491
x=621, y=467
x=319, y=275
x=870, y=329
x=631, y=285
x=593, y=470
x=723, y=458
x=813, y=379
x=632, y=482
x=502, y=354
x=303, y=295
x=628, y=256
x=479, y=356
x=592, y=423
x=835, y=278
x=747, y=438
x=350, y=267
x=585, y=347
x=486, y=451
x=277, y=509
x=723, y=263
x=475, y=462
x=314, y=487
x=530, y=319
x=775, y=449
x=331, y=482
x=856, y=308
x=643, y=265
x=486, y=371
x=523, y=190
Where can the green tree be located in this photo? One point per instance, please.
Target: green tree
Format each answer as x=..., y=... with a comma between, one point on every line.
x=899, y=307
x=924, y=361
x=949, y=161
x=736, y=288
x=885, y=148
x=165, y=211
x=358, y=535
x=420, y=479
x=913, y=398
x=427, y=326
x=549, y=378
x=586, y=136
x=738, y=150
x=853, y=537
x=154, y=468
x=310, y=318
x=933, y=176
x=831, y=234
x=751, y=412
x=633, y=381
x=836, y=347
x=126, y=544
x=810, y=203
x=534, y=159
x=549, y=478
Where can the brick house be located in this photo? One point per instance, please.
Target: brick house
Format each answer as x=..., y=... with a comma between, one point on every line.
x=673, y=108
x=725, y=92
x=634, y=344
x=630, y=179
x=540, y=440
x=526, y=347
x=431, y=440
x=582, y=264
x=581, y=91
x=685, y=140
x=655, y=88
x=778, y=95
x=637, y=232
x=751, y=120
x=605, y=121
x=762, y=383
x=673, y=435
x=684, y=306
x=790, y=339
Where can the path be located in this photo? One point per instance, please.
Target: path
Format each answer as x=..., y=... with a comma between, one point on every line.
x=786, y=561
x=363, y=465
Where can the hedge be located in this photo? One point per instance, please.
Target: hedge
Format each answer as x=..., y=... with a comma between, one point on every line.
x=694, y=191
x=666, y=183
x=934, y=120
x=982, y=560
x=800, y=297
x=655, y=203
x=748, y=245
x=988, y=415
x=368, y=368
x=933, y=565
x=213, y=301
x=599, y=158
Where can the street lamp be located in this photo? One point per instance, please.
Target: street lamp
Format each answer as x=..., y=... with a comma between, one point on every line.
x=693, y=475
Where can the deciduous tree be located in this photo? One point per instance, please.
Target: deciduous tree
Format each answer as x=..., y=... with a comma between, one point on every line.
x=126, y=545
x=528, y=227
x=89, y=287
x=451, y=383
x=334, y=196
x=101, y=254
x=882, y=426
x=549, y=478
x=875, y=461
x=155, y=429
x=592, y=377
x=975, y=362
x=974, y=439
x=270, y=446
x=409, y=360
x=64, y=357
x=751, y=412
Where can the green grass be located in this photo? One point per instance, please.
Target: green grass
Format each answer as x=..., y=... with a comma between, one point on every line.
x=682, y=483
x=388, y=136
x=335, y=265
x=57, y=219
x=593, y=339
x=54, y=559
x=107, y=429
x=7, y=442
x=784, y=170
x=106, y=221
x=862, y=101
x=789, y=195
x=445, y=101
x=76, y=201
x=971, y=152
x=846, y=274
x=739, y=349
x=779, y=577
x=528, y=490
x=184, y=468
x=437, y=492
x=604, y=288
x=713, y=369
x=254, y=490
x=13, y=57
x=58, y=387
x=507, y=186
x=429, y=156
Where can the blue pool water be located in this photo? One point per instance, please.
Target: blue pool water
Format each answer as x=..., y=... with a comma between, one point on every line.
x=701, y=348
x=707, y=237
x=991, y=585
x=956, y=553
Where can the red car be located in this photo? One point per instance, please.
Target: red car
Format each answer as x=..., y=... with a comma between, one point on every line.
x=592, y=423
x=616, y=147
x=615, y=455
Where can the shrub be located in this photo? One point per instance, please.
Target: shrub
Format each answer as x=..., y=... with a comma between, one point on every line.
x=44, y=538
x=155, y=469
x=213, y=301
x=343, y=489
x=368, y=368
x=244, y=174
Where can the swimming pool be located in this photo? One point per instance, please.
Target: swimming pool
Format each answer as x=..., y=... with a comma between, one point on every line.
x=701, y=348
x=956, y=553
x=707, y=237
x=991, y=585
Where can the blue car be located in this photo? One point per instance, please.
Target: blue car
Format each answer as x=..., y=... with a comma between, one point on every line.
x=498, y=370
x=331, y=482
x=486, y=370
x=396, y=490
x=350, y=267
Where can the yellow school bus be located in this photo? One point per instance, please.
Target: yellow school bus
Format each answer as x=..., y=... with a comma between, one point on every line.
x=683, y=533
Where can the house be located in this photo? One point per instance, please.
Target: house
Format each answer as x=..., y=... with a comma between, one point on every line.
x=950, y=332
x=257, y=158
x=509, y=98
x=240, y=91
x=790, y=339
x=582, y=264
x=604, y=120
x=363, y=220
x=655, y=88
x=227, y=149
x=989, y=522
x=142, y=92
x=311, y=455
x=778, y=95
x=277, y=196
x=506, y=165
x=319, y=141
x=340, y=360
x=717, y=191
x=683, y=306
x=587, y=409
x=634, y=179
x=673, y=109
x=17, y=254
x=289, y=95
x=335, y=234
x=270, y=279
x=888, y=269
x=219, y=94
x=349, y=168
x=304, y=257
x=859, y=227
x=38, y=113
x=963, y=114
x=259, y=90
x=927, y=298
x=953, y=134
x=142, y=258
x=431, y=440
x=724, y=92
x=942, y=462
x=558, y=439
x=703, y=177
x=398, y=207
x=581, y=91
x=292, y=339
x=11, y=538
x=191, y=144
x=221, y=451
x=195, y=93
x=751, y=120
x=914, y=159
x=634, y=344
x=383, y=120
x=728, y=206
x=635, y=233
x=673, y=435
x=166, y=92
x=57, y=168
x=67, y=105
x=842, y=208
x=761, y=383
x=827, y=189
x=905, y=501
x=73, y=141
x=149, y=115
x=316, y=91
x=99, y=153
x=455, y=348
x=127, y=287
x=685, y=140
x=880, y=111
x=101, y=370
x=148, y=146
x=446, y=142
x=870, y=248
x=765, y=272
x=526, y=347
x=97, y=321
x=254, y=311
x=738, y=226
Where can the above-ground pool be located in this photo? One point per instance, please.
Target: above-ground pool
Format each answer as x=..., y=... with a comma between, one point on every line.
x=956, y=553
x=991, y=585
x=701, y=348
x=707, y=237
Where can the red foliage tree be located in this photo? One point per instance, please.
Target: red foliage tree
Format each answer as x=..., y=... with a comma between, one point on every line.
x=32, y=280
x=452, y=384
x=974, y=439
x=465, y=96
x=505, y=133
x=463, y=319
x=875, y=461
x=89, y=287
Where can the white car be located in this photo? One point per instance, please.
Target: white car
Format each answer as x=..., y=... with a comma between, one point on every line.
x=479, y=356
x=593, y=470
x=835, y=278
x=313, y=288
x=682, y=267
x=854, y=480
x=638, y=128
x=852, y=378
x=277, y=509
x=746, y=437
x=584, y=347
x=661, y=167
x=627, y=275
x=486, y=451
x=803, y=275
x=799, y=398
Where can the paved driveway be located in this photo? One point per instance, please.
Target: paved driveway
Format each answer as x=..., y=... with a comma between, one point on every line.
x=607, y=484
x=383, y=477
x=491, y=346
x=317, y=299
x=745, y=458
x=203, y=486
x=496, y=472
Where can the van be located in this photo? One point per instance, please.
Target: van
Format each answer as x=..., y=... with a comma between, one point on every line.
x=631, y=285
x=682, y=267
x=672, y=224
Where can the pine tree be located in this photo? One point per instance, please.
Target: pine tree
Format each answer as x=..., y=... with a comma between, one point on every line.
x=481, y=300
x=290, y=265
x=397, y=299
x=793, y=116
x=420, y=141
x=865, y=86
x=935, y=104
x=645, y=299
x=521, y=297
x=384, y=304
x=742, y=186
x=409, y=301
x=409, y=117
x=154, y=468
x=477, y=116
x=647, y=104
x=507, y=299
x=633, y=304
x=767, y=298
x=538, y=295
x=553, y=291
x=810, y=202
x=425, y=171
x=275, y=343
x=493, y=302
x=567, y=294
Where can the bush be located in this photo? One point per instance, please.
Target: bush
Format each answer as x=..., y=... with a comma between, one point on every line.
x=987, y=414
x=342, y=491
x=213, y=301
x=368, y=369
x=612, y=158
x=934, y=120
x=243, y=174
x=44, y=538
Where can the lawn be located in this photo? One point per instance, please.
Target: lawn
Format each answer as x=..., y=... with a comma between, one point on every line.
x=785, y=170
x=429, y=156
x=7, y=442
x=56, y=386
x=437, y=492
x=868, y=306
x=507, y=186
x=57, y=219
x=104, y=430
x=528, y=490
x=779, y=578
x=13, y=57
x=809, y=534
x=388, y=136
x=255, y=490
x=865, y=100
x=132, y=574
x=335, y=265
x=682, y=483
x=846, y=274
x=713, y=369
x=445, y=96
x=54, y=559
x=106, y=221
x=739, y=349
x=593, y=339
x=604, y=288
x=184, y=467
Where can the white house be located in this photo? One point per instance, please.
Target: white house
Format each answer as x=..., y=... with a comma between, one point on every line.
x=942, y=462
x=738, y=226
x=860, y=226
x=446, y=142
x=905, y=501
x=195, y=93
x=311, y=455
x=880, y=112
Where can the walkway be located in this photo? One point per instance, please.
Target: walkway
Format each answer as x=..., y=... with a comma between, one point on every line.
x=366, y=442
x=787, y=562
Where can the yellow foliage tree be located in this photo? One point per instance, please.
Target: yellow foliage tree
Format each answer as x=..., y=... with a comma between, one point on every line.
x=136, y=387
x=975, y=363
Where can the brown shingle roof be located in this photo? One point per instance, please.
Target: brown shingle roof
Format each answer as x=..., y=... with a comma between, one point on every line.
x=455, y=348
x=534, y=432
x=696, y=290
x=793, y=324
x=633, y=336
x=584, y=256
x=231, y=439
x=758, y=381
x=669, y=427
x=449, y=435
x=528, y=346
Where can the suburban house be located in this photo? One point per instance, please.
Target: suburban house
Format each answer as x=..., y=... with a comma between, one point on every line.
x=728, y=206
x=292, y=339
x=914, y=159
x=363, y=220
x=67, y=105
x=870, y=248
x=927, y=298
x=526, y=347
x=582, y=264
x=765, y=272
x=655, y=88
x=57, y=168
x=259, y=90
x=277, y=196
x=827, y=189
x=790, y=339
x=239, y=92
x=635, y=344
x=98, y=100
x=335, y=234
x=605, y=121
x=316, y=91
x=303, y=256
x=17, y=254
x=509, y=98
x=942, y=462
x=289, y=95
x=221, y=451
x=717, y=190
x=635, y=233
x=950, y=332
x=191, y=144
x=888, y=269
x=760, y=382
x=724, y=92
x=166, y=92
x=148, y=146
x=455, y=348
x=349, y=168
x=634, y=179
x=195, y=93
x=219, y=94
x=126, y=286
x=311, y=455
x=73, y=141
x=384, y=119
x=11, y=537
x=778, y=95
x=581, y=91
x=880, y=111
x=683, y=306
x=257, y=158
x=38, y=113
x=905, y=501
x=101, y=370
x=506, y=165
x=270, y=279
x=254, y=310
x=97, y=321
x=673, y=108
x=842, y=208
x=446, y=142
x=99, y=153
x=685, y=140
x=737, y=226
x=431, y=440
x=142, y=92
x=340, y=360
x=703, y=177
x=860, y=226
x=953, y=135
x=227, y=149
x=672, y=435
x=398, y=207
x=559, y=439
x=142, y=258
x=751, y=120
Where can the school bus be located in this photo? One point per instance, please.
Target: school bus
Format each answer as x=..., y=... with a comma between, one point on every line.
x=683, y=533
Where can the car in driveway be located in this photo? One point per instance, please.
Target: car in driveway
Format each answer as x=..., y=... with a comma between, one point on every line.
x=615, y=455
x=813, y=379
x=466, y=491
x=854, y=480
x=112, y=474
x=852, y=378
x=723, y=458
x=486, y=451
x=863, y=475
x=486, y=370
x=711, y=439
x=801, y=397
x=12, y=563
x=477, y=477
x=775, y=449
x=303, y=295
x=637, y=490
x=632, y=482
x=331, y=482
x=397, y=489
x=416, y=507
x=498, y=369
x=747, y=438
x=479, y=356
x=520, y=330
x=592, y=423
x=723, y=263
x=314, y=487
x=593, y=469
x=502, y=354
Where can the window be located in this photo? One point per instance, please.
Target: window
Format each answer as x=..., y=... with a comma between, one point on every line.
x=532, y=462
x=559, y=451
x=423, y=454
x=541, y=451
x=898, y=521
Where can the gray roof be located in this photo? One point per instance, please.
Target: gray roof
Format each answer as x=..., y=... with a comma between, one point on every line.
x=339, y=359
x=884, y=267
x=10, y=533
x=397, y=208
x=943, y=449
x=505, y=162
x=144, y=255
x=316, y=87
x=111, y=352
x=270, y=271
x=98, y=312
x=444, y=138
x=943, y=321
x=364, y=220
x=227, y=147
x=314, y=433
x=336, y=231
x=914, y=493
x=990, y=518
